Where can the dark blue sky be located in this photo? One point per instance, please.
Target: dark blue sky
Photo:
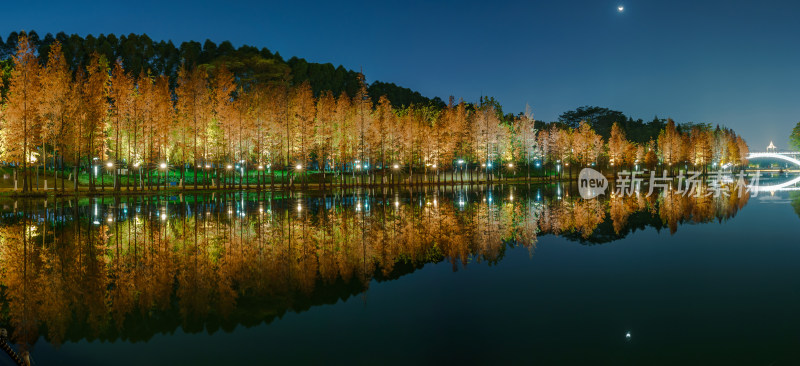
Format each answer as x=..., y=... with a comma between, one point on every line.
x=728, y=62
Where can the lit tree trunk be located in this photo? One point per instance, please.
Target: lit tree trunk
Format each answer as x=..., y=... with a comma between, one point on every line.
x=116, y=156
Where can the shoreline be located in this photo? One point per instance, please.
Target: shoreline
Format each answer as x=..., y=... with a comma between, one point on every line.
x=84, y=191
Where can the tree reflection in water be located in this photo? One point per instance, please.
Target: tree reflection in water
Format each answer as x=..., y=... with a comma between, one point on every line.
x=128, y=268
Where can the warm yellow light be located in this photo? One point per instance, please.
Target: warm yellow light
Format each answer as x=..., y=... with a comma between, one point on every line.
x=298, y=167
x=109, y=164
x=396, y=166
x=163, y=165
x=434, y=166
x=510, y=165
x=230, y=167
x=260, y=167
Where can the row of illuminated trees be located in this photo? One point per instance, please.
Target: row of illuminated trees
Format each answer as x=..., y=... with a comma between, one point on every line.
x=698, y=146
x=211, y=129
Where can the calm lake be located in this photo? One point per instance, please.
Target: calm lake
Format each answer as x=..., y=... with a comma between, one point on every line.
x=511, y=274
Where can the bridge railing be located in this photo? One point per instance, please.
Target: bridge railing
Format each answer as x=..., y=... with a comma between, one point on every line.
x=776, y=152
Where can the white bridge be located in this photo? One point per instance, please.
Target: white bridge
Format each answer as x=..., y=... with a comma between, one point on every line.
x=785, y=156
x=790, y=157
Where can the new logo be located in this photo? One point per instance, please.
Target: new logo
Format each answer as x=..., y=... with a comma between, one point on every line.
x=591, y=183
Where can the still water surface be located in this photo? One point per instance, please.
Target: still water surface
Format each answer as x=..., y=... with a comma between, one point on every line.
x=512, y=274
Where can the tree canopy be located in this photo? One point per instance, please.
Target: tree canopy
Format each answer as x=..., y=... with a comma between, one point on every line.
x=602, y=119
x=250, y=65
x=794, y=137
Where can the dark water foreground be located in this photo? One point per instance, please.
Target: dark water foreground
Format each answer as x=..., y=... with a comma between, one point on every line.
x=512, y=274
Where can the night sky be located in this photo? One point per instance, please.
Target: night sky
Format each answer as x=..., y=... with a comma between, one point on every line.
x=722, y=62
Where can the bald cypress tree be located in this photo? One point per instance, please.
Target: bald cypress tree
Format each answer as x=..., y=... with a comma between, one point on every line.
x=301, y=113
x=21, y=127
x=121, y=92
x=57, y=102
x=194, y=101
x=95, y=105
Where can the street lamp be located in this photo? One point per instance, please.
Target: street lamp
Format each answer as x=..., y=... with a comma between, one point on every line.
x=109, y=165
x=166, y=174
x=298, y=167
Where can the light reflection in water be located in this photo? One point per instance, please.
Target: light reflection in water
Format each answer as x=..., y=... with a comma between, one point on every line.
x=167, y=267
